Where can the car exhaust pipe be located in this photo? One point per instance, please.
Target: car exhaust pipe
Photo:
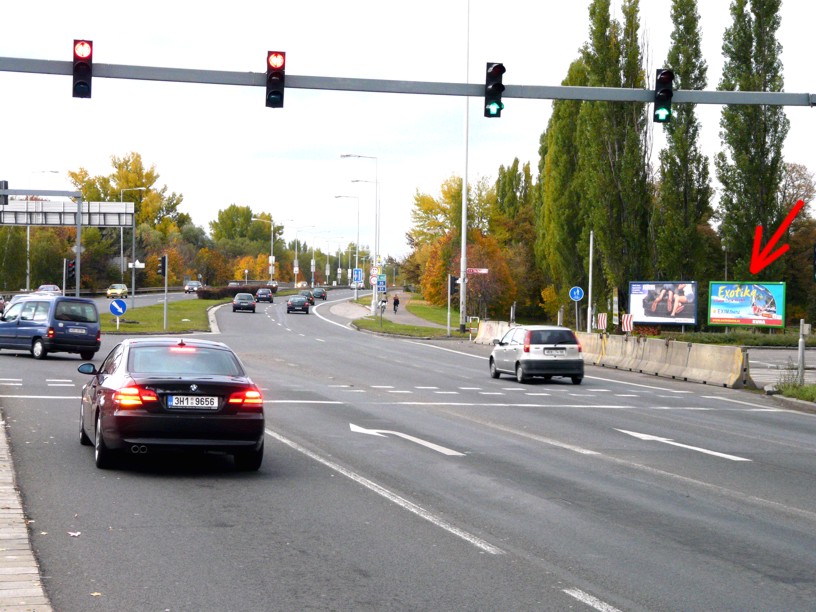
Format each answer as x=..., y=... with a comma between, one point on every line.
x=138, y=449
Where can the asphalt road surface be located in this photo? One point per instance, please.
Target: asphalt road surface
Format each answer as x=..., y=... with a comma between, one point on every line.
x=399, y=476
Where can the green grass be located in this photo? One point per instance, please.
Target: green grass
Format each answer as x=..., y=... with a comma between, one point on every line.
x=434, y=314
x=182, y=316
x=385, y=326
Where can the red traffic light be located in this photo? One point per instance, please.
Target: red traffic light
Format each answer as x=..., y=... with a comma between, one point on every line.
x=83, y=68
x=83, y=49
x=275, y=78
x=276, y=60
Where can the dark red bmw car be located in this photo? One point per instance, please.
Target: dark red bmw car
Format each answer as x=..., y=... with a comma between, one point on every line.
x=154, y=394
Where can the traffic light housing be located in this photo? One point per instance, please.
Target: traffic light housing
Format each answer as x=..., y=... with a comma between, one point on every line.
x=162, y=269
x=275, y=78
x=4, y=198
x=83, y=68
x=70, y=270
x=454, y=284
x=494, y=89
x=664, y=90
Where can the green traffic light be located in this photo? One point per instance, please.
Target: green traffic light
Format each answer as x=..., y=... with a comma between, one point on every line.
x=662, y=114
x=494, y=108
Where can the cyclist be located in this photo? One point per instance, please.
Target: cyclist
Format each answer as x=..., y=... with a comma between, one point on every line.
x=396, y=303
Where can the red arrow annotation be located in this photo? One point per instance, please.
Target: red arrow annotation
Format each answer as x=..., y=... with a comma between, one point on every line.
x=761, y=259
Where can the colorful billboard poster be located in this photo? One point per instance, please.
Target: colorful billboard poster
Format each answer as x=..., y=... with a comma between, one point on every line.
x=654, y=303
x=751, y=304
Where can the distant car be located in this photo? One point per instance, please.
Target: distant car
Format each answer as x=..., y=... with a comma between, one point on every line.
x=308, y=295
x=243, y=301
x=273, y=286
x=154, y=394
x=117, y=290
x=319, y=292
x=49, y=290
x=303, y=284
x=359, y=285
x=192, y=286
x=297, y=303
x=233, y=284
x=538, y=350
x=264, y=294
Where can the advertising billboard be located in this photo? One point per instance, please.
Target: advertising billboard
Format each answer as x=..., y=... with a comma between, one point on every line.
x=658, y=303
x=751, y=304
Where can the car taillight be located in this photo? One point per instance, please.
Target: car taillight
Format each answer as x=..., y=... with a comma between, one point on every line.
x=247, y=398
x=134, y=396
x=527, y=337
x=50, y=332
x=578, y=342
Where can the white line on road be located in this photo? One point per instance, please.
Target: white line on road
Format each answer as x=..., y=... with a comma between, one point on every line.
x=669, y=441
x=591, y=601
x=623, y=382
x=393, y=497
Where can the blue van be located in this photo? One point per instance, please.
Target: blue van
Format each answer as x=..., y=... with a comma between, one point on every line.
x=45, y=324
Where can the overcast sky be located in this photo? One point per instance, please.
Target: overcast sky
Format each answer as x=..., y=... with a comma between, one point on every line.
x=220, y=145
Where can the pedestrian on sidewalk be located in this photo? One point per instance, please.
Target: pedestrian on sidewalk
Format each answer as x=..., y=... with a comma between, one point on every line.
x=396, y=303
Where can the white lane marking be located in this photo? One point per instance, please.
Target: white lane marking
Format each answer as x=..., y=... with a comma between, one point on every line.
x=725, y=399
x=592, y=602
x=392, y=497
x=538, y=394
x=426, y=387
x=11, y=384
x=446, y=392
x=338, y=386
x=441, y=348
x=354, y=390
x=400, y=391
x=469, y=388
x=382, y=386
x=384, y=433
x=626, y=395
x=669, y=441
x=512, y=388
x=490, y=393
x=320, y=339
x=623, y=382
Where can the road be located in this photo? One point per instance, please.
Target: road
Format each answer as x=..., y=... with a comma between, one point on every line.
x=399, y=476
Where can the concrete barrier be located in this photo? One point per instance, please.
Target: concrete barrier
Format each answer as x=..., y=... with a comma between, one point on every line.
x=490, y=330
x=725, y=366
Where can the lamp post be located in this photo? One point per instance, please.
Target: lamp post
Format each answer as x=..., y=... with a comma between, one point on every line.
x=356, y=244
x=122, y=232
x=296, y=266
x=271, y=246
x=376, y=254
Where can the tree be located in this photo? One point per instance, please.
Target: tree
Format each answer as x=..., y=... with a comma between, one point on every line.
x=684, y=192
x=750, y=166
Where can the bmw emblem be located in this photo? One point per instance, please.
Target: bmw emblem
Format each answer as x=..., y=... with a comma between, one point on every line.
x=193, y=387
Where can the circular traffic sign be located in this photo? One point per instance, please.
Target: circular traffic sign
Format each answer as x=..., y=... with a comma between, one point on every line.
x=576, y=294
x=118, y=307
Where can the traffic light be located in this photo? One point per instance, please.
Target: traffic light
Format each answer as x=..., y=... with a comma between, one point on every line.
x=83, y=68
x=162, y=269
x=3, y=198
x=494, y=89
x=70, y=271
x=454, y=286
x=275, y=78
x=664, y=83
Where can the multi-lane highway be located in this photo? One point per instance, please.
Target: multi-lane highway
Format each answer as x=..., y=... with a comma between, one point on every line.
x=399, y=476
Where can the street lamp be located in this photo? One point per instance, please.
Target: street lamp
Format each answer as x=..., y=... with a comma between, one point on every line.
x=122, y=234
x=297, y=244
x=374, y=294
x=357, y=244
x=271, y=246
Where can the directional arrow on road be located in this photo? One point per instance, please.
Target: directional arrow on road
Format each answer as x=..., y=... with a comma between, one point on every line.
x=652, y=438
x=384, y=433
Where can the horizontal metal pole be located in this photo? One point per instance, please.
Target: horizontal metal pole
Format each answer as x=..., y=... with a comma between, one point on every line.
x=41, y=192
x=475, y=90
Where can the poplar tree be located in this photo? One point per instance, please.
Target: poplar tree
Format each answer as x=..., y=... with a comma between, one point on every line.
x=684, y=192
x=750, y=166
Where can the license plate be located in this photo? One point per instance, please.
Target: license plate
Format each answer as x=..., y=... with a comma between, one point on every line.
x=554, y=351
x=77, y=330
x=192, y=401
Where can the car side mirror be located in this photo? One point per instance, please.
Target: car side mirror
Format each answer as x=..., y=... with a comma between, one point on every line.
x=88, y=368
x=497, y=341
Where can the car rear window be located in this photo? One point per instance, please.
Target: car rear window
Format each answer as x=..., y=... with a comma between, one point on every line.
x=76, y=311
x=183, y=360
x=552, y=336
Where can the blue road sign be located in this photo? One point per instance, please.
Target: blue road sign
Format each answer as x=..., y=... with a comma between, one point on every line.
x=118, y=307
x=358, y=275
x=576, y=294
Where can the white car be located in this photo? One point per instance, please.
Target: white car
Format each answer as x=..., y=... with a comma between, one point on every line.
x=528, y=351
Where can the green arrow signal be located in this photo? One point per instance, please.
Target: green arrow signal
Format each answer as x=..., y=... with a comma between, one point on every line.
x=662, y=114
x=494, y=108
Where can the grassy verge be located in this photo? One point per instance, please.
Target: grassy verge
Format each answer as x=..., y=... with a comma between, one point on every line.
x=182, y=316
x=411, y=331
x=789, y=386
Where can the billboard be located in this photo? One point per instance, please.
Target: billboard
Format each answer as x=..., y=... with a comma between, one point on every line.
x=751, y=304
x=654, y=303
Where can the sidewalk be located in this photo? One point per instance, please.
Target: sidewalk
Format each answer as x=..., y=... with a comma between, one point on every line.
x=20, y=586
x=352, y=310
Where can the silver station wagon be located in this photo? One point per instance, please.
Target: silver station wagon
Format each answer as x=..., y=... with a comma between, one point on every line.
x=545, y=351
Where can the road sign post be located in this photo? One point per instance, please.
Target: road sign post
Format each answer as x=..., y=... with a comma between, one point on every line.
x=576, y=295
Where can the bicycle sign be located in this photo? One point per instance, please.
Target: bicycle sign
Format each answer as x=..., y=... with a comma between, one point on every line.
x=576, y=294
